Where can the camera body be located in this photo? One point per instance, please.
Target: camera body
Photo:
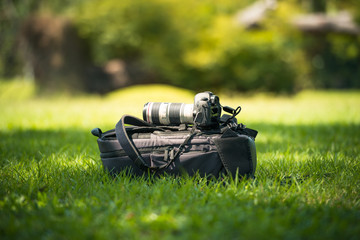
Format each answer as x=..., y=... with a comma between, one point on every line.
x=207, y=110
x=204, y=113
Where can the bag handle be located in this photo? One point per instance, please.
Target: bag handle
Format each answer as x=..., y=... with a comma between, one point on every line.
x=127, y=144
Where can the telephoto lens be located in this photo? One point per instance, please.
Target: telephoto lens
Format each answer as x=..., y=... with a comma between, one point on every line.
x=161, y=113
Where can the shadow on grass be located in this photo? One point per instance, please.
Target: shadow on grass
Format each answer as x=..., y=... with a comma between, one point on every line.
x=319, y=138
x=23, y=145
x=68, y=199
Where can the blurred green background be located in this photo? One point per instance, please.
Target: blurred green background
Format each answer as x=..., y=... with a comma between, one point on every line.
x=52, y=182
x=102, y=45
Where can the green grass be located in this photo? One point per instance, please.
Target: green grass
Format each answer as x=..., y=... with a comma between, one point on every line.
x=52, y=185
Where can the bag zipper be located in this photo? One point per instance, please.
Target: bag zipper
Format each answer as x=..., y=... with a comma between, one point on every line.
x=122, y=153
x=161, y=150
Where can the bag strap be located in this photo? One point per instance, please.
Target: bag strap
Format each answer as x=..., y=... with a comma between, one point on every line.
x=127, y=144
x=129, y=147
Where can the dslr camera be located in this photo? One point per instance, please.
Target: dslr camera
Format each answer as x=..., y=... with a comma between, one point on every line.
x=205, y=113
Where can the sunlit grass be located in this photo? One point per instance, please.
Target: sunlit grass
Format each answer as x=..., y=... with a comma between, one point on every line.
x=52, y=183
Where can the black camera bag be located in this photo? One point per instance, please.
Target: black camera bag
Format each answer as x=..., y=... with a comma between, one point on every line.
x=142, y=148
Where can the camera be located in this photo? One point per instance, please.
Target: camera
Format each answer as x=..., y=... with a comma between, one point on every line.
x=204, y=113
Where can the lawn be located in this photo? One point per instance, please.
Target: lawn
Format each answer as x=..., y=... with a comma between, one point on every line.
x=52, y=184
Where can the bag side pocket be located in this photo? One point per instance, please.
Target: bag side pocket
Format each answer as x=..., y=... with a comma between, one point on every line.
x=237, y=154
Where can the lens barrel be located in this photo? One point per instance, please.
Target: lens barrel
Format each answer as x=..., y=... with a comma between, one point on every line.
x=161, y=113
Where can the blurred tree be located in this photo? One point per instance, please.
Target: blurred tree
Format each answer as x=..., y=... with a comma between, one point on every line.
x=198, y=44
x=193, y=44
x=12, y=15
x=331, y=41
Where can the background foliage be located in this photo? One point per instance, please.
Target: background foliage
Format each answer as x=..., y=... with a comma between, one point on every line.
x=193, y=44
x=199, y=44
